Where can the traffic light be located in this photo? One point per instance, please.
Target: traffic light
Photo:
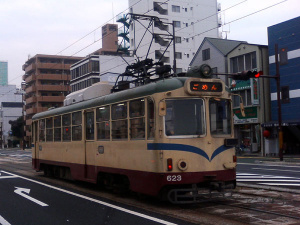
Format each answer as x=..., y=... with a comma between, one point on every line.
x=246, y=75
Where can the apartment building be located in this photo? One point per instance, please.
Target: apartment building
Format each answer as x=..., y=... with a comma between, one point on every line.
x=193, y=20
x=47, y=80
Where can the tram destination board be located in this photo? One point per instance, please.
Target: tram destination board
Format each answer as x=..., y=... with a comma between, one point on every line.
x=199, y=86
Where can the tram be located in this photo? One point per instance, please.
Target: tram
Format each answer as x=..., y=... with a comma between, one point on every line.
x=171, y=138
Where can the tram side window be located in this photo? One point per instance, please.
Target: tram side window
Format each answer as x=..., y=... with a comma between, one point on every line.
x=49, y=129
x=66, y=122
x=137, y=119
x=220, y=116
x=150, y=119
x=119, y=121
x=76, y=126
x=42, y=130
x=103, y=123
x=89, y=131
x=57, y=128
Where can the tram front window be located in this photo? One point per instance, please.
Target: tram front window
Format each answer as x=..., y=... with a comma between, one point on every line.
x=220, y=116
x=185, y=117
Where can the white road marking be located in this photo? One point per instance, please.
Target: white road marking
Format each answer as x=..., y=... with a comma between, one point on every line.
x=3, y=221
x=20, y=191
x=267, y=165
x=96, y=201
x=280, y=184
x=268, y=180
x=4, y=177
x=294, y=171
x=265, y=179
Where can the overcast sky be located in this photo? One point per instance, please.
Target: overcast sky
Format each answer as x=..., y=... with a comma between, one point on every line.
x=49, y=26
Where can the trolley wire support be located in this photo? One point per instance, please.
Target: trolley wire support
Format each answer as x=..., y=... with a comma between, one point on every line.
x=146, y=71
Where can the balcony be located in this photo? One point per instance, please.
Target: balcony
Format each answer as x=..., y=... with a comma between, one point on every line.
x=41, y=87
x=29, y=68
x=30, y=89
x=30, y=78
x=28, y=135
x=29, y=122
x=31, y=111
x=51, y=98
x=36, y=110
x=53, y=77
x=30, y=100
x=53, y=66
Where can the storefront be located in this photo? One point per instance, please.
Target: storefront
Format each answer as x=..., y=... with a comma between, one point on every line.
x=291, y=138
x=247, y=129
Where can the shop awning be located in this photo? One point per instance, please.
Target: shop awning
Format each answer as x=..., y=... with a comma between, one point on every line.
x=284, y=123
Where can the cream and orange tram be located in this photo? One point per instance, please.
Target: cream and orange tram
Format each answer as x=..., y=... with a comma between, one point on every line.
x=172, y=138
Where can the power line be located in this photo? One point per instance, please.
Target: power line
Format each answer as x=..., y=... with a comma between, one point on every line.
x=242, y=17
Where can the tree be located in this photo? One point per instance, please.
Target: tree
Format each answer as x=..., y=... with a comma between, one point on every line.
x=17, y=127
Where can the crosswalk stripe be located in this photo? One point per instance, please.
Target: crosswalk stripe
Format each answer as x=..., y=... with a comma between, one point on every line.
x=268, y=179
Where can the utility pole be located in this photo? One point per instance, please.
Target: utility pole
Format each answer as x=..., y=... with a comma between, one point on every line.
x=280, y=133
x=22, y=92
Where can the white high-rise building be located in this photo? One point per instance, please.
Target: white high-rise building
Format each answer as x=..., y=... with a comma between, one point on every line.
x=193, y=19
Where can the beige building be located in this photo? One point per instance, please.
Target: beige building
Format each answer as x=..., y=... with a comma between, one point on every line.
x=254, y=92
x=47, y=80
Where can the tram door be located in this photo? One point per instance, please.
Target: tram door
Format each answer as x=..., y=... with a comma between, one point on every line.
x=90, y=145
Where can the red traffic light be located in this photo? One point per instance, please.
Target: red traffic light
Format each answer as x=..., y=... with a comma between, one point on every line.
x=258, y=74
x=246, y=75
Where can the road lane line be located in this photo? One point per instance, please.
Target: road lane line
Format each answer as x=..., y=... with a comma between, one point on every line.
x=96, y=201
x=294, y=171
x=5, y=177
x=266, y=165
x=280, y=184
x=3, y=221
x=266, y=180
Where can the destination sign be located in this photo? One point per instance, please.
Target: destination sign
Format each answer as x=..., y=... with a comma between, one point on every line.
x=206, y=86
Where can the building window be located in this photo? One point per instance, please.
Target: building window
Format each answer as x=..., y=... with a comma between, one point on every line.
x=178, y=55
x=177, y=24
x=178, y=70
x=206, y=54
x=285, y=94
x=177, y=40
x=175, y=8
x=243, y=62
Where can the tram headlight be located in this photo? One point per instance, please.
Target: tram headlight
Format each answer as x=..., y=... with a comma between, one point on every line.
x=182, y=165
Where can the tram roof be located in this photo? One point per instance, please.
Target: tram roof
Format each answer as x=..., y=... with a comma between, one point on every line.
x=145, y=90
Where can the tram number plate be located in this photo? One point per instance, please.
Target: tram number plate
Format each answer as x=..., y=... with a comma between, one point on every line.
x=174, y=178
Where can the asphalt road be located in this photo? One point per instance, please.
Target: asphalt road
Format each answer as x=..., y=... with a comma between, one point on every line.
x=28, y=201
x=282, y=175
